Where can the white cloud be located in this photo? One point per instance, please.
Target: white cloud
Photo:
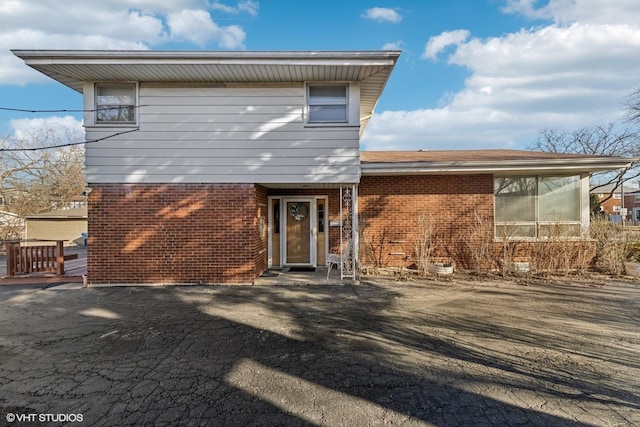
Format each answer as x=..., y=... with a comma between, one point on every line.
x=437, y=44
x=583, y=11
x=13, y=70
x=393, y=46
x=251, y=7
x=562, y=75
x=381, y=14
x=56, y=125
x=248, y=6
x=579, y=70
x=116, y=24
x=196, y=26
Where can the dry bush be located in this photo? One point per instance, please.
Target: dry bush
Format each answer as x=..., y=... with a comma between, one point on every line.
x=479, y=244
x=374, y=245
x=612, y=242
x=424, y=243
x=557, y=253
x=583, y=256
x=508, y=249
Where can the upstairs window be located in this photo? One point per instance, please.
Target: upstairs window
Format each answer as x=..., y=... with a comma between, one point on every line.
x=327, y=103
x=116, y=103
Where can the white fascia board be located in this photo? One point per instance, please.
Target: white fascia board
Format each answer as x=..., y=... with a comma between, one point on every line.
x=493, y=168
x=346, y=58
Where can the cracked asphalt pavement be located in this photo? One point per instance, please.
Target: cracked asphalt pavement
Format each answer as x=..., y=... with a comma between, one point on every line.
x=379, y=353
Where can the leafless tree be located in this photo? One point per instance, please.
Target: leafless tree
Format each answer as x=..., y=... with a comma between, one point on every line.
x=632, y=107
x=37, y=178
x=601, y=140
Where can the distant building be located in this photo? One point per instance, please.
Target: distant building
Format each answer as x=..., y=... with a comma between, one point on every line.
x=632, y=203
x=613, y=205
x=69, y=225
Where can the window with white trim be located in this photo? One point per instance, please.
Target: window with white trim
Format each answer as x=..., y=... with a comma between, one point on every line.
x=538, y=206
x=327, y=103
x=115, y=103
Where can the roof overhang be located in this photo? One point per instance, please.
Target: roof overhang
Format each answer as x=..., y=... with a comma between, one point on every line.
x=74, y=67
x=508, y=163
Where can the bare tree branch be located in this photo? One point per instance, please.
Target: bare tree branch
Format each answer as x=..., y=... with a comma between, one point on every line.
x=632, y=107
x=36, y=181
x=600, y=140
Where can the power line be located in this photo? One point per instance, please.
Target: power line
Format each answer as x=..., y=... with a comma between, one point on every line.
x=20, y=110
x=68, y=144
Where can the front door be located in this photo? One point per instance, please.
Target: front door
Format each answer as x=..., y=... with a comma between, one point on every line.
x=298, y=232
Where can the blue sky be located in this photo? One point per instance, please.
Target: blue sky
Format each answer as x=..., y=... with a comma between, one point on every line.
x=473, y=73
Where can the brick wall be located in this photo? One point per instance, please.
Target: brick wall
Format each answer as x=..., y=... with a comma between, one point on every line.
x=261, y=237
x=461, y=210
x=390, y=207
x=166, y=233
x=609, y=205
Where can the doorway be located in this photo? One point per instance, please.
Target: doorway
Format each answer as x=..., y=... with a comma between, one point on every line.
x=297, y=231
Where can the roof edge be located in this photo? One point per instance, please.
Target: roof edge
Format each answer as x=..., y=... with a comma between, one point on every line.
x=362, y=56
x=575, y=165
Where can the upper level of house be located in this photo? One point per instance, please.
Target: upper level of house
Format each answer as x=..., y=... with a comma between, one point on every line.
x=270, y=117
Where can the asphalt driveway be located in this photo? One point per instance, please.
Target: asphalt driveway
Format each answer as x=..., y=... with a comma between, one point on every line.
x=378, y=353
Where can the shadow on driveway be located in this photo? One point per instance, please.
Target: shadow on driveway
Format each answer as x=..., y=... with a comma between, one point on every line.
x=373, y=354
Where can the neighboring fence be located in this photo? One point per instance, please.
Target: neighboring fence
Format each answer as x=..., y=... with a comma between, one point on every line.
x=35, y=258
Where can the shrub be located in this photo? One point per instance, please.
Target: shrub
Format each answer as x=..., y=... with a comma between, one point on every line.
x=424, y=242
x=612, y=243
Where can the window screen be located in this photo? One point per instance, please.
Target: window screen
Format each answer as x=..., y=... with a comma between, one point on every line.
x=115, y=103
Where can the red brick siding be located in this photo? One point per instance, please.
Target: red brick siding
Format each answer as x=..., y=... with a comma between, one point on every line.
x=390, y=205
x=261, y=239
x=202, y=233
x=609, y=204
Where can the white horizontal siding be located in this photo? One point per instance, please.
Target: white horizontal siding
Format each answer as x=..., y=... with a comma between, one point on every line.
x=245, y=135
x=198, y=176
x=207, y=138
x=188, y=159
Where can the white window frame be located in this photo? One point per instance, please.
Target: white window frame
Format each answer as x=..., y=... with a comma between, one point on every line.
x=347, y=102
x=133, y=122
x=537, y=223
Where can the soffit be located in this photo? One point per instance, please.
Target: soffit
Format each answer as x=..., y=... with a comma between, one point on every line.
x=73, y=68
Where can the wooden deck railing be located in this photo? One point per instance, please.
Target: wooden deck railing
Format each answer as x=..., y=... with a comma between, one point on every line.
x=35, y=258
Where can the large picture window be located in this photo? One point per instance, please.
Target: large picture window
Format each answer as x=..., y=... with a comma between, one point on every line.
x=537, y=206
x=116, y=103
x=327, y=103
